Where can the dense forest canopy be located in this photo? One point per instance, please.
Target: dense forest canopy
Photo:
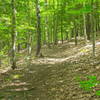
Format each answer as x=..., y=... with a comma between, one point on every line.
x=29, y=24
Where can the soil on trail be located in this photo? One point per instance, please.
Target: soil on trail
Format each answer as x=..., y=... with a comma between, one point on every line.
x=53, y=77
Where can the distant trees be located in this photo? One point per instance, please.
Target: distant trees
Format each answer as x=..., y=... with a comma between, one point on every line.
x=35, y=23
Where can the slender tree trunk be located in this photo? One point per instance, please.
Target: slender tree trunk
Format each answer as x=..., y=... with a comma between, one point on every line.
x=29, y=31
x=54, y=29
x=19, y=47
x=97, y=15
x=44, y=34
x=0, y=62
x=38, y=51
x=47, y=24
x=55, y=32
x=30, y=44
x=49, y=33
x=88, y=26
x=14, y=34
x=93, y=27
x=62, y=30
x=55, y=39
x=84, y=19
x=75, y=34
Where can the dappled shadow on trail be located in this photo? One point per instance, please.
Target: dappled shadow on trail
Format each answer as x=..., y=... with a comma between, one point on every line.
x=51, y=78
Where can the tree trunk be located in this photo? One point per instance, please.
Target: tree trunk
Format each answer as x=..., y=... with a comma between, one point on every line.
x=88, y=26
x=62, y=30
x=38, y=51
x=93, y=27
x=14, y=34
x=84, y=19
x=75, y=34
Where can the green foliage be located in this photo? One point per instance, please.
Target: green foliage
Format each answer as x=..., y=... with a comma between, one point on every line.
x=89, y=84
x=69, y=11
x=1, y=54
x=98, y=93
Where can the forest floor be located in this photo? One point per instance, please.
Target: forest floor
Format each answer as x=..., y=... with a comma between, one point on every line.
x=53, y=77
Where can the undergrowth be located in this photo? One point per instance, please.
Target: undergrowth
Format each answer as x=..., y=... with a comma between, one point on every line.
x=89, y=83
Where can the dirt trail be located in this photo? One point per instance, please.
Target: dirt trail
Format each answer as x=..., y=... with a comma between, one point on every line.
x=75, y=53
x=51, y=78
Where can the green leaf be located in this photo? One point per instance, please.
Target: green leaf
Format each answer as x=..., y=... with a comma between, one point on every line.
x=98, y=93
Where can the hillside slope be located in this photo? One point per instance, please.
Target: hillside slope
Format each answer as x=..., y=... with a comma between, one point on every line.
x=53, y=77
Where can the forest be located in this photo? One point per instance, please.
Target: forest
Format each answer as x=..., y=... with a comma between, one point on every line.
x=49, y=49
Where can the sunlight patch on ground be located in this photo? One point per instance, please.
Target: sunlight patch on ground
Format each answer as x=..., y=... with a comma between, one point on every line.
x=83, y=51
x=90, y=45
x=19, y=84
x=2, y=71
x=20, y=89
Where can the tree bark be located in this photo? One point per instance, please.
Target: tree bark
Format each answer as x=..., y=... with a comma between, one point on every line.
x=38, y=51
x=14, y=34
x=84, y=19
